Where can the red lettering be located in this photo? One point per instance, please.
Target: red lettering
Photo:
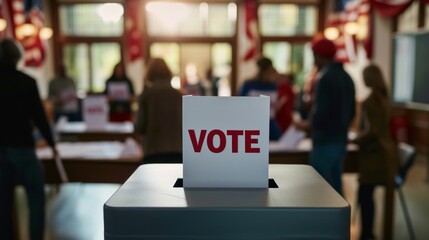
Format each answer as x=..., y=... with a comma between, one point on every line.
x=249, y=140
x=222, y=141
x=94, y=109
x=234, y=137
x=197, y=144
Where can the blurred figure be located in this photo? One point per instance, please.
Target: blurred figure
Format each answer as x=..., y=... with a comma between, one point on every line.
x=159, y=118
x=120, y=93
x=332, y=112
x=285, y=102
x=22, y=107
x=378, y=153
x=62, y=93
x=193, y=84
x=264, y=84
x=307, y=93
x=214, y=82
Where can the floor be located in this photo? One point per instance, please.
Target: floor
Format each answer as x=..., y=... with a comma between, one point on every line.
x=76, y=212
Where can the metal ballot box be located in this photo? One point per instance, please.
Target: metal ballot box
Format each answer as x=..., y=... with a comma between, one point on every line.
x=299, y=204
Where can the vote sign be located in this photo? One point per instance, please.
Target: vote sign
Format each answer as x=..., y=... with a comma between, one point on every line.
x=225, y=142
x=95, y=111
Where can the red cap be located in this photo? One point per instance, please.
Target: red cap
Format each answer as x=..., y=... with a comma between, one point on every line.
x=324, y=47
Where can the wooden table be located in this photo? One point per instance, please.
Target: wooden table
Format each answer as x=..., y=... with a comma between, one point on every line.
x=91, y=162
x=96, y=168
x=78, y=132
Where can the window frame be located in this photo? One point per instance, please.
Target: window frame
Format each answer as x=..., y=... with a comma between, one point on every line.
x=232, y=40
x=296, y=39
x=60, y=40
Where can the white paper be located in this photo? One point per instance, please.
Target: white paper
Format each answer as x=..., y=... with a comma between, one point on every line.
x=95, y=112
x=70, y=100
x=131, y=148
x=289, y=140
x=225, y=169
x=118, y=91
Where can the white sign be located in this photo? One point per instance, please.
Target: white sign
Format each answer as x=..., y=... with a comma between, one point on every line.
x=95, y=112
x=225, y=142
x=118, y=91
x=70, y=100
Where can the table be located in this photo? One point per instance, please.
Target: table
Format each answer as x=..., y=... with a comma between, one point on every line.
x=77, y=131
x=91, y=162
x=303, y=206
x=301, y=154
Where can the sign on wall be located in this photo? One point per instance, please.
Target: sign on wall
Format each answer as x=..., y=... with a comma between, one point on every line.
x=225, y=142
x=95, y=111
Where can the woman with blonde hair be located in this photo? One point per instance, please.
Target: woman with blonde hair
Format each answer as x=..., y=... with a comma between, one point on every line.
x=159, y=118
x=377, y=150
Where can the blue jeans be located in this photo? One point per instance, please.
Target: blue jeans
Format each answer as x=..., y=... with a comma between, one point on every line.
x=327, y=159
x=22, y=164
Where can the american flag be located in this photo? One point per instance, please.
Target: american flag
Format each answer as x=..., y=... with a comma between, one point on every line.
x=17, y=13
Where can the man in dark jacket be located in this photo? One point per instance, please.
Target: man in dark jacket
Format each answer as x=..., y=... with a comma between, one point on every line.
x=22, y=109
x=331, y=115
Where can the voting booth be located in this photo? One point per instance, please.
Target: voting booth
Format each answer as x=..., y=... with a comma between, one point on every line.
x=225, y=188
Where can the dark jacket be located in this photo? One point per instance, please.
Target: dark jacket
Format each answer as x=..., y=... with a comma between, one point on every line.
x=334, y=106
x=21, y=109
x=378, y=153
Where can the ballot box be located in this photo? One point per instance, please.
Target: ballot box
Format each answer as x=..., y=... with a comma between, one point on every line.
x=299, y=204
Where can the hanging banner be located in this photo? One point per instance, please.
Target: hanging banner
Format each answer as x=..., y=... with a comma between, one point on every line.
x=225, y=142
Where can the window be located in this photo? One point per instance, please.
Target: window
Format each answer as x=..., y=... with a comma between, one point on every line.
x=90, y=42
x=286, y=30
x=287, y=20
x=408, y=20
x=91, y=20
x=203, y=57
x=296, y=59
x=204, y=42
x=191, y=19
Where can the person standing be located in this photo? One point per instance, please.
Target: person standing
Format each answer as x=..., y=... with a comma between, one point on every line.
x=120, y=92
x=22, y=109
x=159, y=118
x=378, y=153
x=264, y=84
x=285, y=102
x=331, y=114
x=62, y=93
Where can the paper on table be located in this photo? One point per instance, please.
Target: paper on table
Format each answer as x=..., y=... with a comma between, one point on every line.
x=289, y=140
x=131, y=148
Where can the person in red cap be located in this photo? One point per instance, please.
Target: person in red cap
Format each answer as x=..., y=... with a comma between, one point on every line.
x=331, y=114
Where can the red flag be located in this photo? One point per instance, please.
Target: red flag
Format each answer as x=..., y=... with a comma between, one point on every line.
x=133, y=34
x=251, y=29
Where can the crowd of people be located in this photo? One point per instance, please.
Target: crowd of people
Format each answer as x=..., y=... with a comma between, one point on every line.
x=327, y=110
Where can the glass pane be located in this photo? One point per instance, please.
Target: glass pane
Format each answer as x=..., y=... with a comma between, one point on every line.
x=302, y=62
x=104, y=56
x=169, y=52
x=287, y=19
x=280, y=54
x=77, y=65
x=191, y=19
x=92, y=19
x=221, y=69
